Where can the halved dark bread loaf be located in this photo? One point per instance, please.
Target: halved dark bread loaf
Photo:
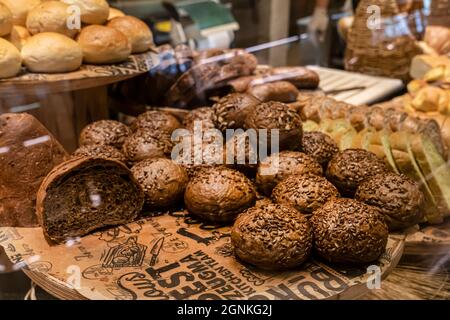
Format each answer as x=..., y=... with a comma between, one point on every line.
x=84, y=194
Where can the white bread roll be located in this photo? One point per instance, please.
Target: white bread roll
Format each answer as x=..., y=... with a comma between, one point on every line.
x=10, y=60
x=5, y=20
x=18, y=36
x=114, y=13
x=92, y=11
x=137, y=32
x=421, y=64
x=20, y=9
x=51, y=52
x=50, y=16
x=103, y=45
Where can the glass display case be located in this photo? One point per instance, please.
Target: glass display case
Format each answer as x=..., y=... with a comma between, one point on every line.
x=225, y=150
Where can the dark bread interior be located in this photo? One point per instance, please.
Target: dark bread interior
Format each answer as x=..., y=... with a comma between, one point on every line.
x=84, y=194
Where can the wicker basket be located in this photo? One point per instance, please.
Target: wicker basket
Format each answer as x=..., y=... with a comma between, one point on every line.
x=386, y=50
x=439, y=13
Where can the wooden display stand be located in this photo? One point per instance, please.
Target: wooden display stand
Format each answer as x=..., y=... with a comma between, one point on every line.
x=65, y=103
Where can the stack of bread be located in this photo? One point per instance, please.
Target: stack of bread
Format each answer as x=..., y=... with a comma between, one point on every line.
x=58, y=36
x=408, y=144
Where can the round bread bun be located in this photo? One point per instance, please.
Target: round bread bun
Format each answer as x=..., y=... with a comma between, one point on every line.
x=18, y=36
x=397, y=197
x=155, y=120
x=20, y=9
x=105, y=132
x=51, y=52
x=272, y=237
x=230, y=111
x=114, y=13
x=10, y=60
x=203, y=117
x=320, y=146
x=162, y=180
x=349, y=168
x=349, y=231
x=100, y=151
x=145, y=144
x=305, y=193
x=219, y=194
x=6, y=20
x=278, y=166
x=50, y=16
x=103, y=45
x=92, y=11
x=138, y=33
x=277, y=115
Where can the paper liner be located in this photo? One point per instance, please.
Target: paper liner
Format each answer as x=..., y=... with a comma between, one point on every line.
x=173, y=256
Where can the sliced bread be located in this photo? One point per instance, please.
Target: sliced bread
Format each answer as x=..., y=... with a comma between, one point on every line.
x=434, y=168
x=406, y=164
x=380, y=145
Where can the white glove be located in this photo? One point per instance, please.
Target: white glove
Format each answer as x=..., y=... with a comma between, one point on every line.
x=319, y=23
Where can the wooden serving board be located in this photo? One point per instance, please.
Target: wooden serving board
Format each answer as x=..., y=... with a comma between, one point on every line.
x=173, y=256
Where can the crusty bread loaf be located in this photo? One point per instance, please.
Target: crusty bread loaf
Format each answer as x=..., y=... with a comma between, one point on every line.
x=27, y=154
x=84, y=194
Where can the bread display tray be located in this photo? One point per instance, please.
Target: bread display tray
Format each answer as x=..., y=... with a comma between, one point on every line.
x=87, y=76
x=173, y=256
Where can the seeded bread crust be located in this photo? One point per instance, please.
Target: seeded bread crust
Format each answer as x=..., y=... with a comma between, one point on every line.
x=349, y=231
x=277, y=115
x=105, y=132
x=219, y=194
x=272, y=237
x=100, y=151
x=270, y=171
x=305, y=193
x=320, y=146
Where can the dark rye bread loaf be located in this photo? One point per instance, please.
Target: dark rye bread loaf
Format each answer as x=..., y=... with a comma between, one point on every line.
x=28, y=152
x=84, y=194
